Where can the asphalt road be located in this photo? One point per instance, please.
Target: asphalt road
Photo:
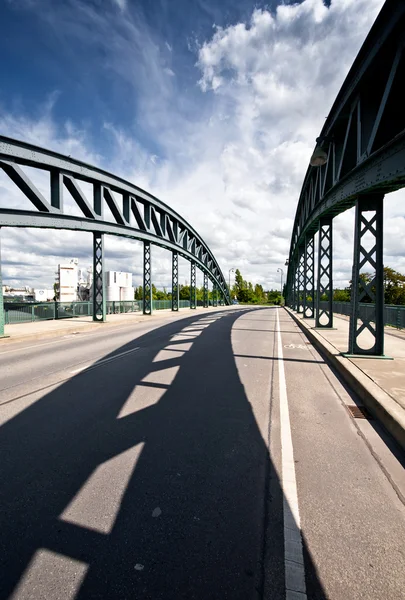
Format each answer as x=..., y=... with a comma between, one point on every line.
x=182, y=461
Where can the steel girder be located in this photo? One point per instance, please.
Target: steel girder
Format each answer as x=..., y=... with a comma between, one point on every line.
x=206, y=303
x=214, y=295
x=309, y=259
x=99, y=299
x=147, y=279
x=369, y=255
x=364, y=134
x=175, y=281
x=325, y=273
x=301, y=281
x=193, y=287
x=136, y=213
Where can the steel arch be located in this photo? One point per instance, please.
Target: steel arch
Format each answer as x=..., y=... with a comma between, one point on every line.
x=361, y=152
x=137, y=214
x=364, y=133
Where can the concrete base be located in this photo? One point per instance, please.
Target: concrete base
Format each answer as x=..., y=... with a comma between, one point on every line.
x=383, y=357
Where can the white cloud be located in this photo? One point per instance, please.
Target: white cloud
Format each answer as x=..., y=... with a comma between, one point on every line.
x=235, y=168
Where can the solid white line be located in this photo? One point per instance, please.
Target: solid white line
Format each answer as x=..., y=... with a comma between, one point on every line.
x=293, y=556
x=104, y=361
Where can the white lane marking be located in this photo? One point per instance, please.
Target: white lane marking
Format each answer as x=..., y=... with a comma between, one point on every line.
x=293, y=555
x=104, y=361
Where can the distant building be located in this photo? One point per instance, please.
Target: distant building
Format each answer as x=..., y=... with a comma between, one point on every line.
x=44, y=295
x=67, y=281
x=119, y=286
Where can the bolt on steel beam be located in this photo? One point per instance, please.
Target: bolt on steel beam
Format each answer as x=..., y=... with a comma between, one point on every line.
x=99, y=304
x=205, y=290
x=175, y=281
x=309, y=267
x=324, y=288
x=193, y=291
x=147, y=279
x=368, y=254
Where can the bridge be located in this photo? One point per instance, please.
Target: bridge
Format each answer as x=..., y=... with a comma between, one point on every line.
x=234, y=452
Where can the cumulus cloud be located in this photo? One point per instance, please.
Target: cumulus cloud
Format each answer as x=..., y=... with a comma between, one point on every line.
x=234, y=165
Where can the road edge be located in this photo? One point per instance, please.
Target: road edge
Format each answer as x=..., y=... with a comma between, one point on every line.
x=375, y=399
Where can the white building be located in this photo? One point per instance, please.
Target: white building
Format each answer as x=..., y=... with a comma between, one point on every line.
x=119, y=286
x=43, y=295
x=68, y=281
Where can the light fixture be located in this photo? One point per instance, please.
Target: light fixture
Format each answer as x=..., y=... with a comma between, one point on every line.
x=319, y=157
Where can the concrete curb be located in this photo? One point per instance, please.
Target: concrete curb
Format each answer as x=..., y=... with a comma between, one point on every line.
x=380, y=404
x=79, y=327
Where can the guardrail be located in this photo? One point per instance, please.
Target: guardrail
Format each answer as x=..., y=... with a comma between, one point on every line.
x=27, y=312
x=393, y=315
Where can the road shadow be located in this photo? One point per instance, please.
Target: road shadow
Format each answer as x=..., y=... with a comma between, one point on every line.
x=200, y=491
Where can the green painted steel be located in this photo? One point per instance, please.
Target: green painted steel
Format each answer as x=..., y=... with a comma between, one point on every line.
x=28, y=312
x=393, y=315
x=137, y=214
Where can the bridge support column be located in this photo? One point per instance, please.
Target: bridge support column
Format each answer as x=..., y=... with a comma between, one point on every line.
x=99, y=303
x=309, y=267
x=2, y=314
x=294, y=285
x=147, y=279
x=193, y=302
x=205, y=290
x=214, y=295
x=324, y=287
x=301, y=281
x=175, y=281
x=368, y=252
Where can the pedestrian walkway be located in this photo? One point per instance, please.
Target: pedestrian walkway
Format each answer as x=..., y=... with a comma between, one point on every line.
x=379, y=382
x=54, y=328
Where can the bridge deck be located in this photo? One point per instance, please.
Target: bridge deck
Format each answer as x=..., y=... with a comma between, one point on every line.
x=179, y=457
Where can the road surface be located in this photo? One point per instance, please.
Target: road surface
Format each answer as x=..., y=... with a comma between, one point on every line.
x=209, y=457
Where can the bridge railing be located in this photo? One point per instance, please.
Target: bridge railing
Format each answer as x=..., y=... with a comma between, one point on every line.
x=27, y=312
x=393, y=315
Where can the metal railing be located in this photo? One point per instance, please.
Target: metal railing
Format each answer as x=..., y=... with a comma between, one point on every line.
x=27, y=312
x=393, y=315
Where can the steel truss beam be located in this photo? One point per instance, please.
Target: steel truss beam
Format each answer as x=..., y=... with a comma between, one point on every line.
x=364, y=133
x=193, y=290
x=214, y=295
x=175, y=281
x=309, y=267
x=147, y=279
x=368, y=255
x=324, y=316
x=136, y=213
x=295, y=285
x=300, y=280
x=205, y=290
x=99, y=312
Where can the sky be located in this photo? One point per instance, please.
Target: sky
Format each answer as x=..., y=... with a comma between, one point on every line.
x=211, y=105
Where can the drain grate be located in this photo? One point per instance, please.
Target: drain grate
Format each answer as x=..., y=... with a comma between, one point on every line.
x=359, y=412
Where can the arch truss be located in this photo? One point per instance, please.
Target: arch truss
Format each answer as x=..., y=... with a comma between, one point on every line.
x=360, y=157
x=135, y=214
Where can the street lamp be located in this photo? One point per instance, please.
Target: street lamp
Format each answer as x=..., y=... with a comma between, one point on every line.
x=282, y=273
x=320, y=157
x=229, y=279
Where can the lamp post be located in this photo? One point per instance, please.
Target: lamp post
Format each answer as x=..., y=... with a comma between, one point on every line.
x=229, y=280
x=282, y=273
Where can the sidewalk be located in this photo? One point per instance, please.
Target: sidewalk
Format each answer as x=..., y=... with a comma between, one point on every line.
x=379, y=383
x=19, y=332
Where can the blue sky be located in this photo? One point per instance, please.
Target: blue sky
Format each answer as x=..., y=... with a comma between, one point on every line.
x=214, y=106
